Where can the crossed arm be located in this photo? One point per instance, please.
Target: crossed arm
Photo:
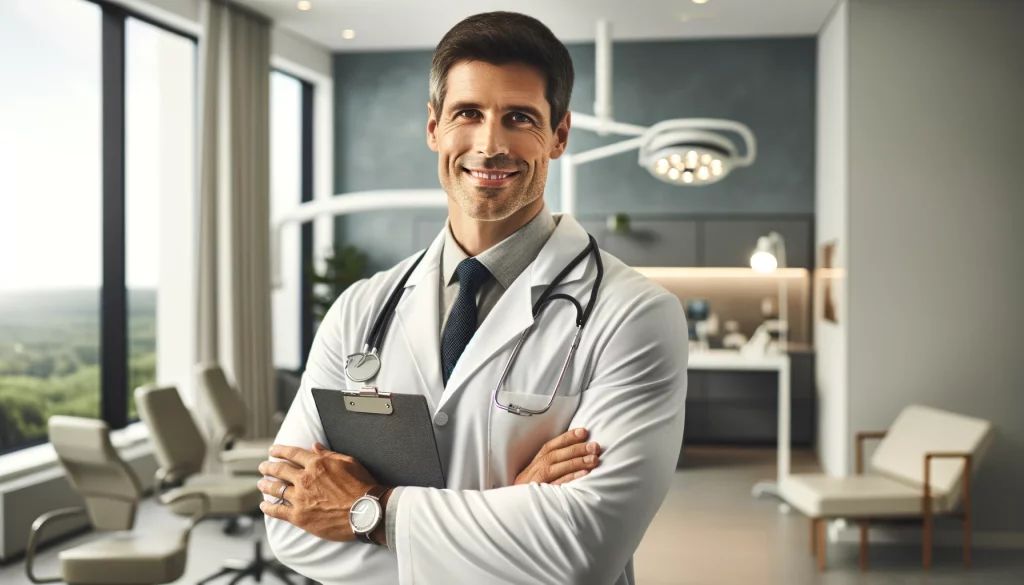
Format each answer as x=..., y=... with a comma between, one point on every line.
x=580, y=531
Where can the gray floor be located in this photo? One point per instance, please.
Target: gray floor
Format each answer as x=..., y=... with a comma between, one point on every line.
x=710, y=531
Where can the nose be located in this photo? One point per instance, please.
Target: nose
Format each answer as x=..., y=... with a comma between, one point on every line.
x=491, y=138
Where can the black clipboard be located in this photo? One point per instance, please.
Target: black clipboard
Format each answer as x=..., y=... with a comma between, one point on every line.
x=390, y=434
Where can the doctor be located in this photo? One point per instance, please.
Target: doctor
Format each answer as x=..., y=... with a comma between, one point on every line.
x=526, y=501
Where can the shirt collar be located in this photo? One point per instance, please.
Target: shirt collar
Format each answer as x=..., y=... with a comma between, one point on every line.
x=507, y=259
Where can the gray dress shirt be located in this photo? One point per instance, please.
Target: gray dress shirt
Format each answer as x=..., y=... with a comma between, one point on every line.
x=506, y=260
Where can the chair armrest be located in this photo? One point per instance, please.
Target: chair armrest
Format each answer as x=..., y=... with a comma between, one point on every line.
x=926, y=499
x=169, y=499
x=33, y=540
x=860, y=446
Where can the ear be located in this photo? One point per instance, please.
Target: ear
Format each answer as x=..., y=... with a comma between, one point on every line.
x=561, y=136
x=432, y=127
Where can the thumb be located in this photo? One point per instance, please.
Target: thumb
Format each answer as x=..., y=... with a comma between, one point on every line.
x=319, y=448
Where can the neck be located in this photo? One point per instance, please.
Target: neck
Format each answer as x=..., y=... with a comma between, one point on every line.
x=475, y=236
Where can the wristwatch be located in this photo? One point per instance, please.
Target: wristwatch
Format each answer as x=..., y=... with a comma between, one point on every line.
x=366, y=514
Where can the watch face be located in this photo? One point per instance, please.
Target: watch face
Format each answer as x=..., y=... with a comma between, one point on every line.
x=364, y=515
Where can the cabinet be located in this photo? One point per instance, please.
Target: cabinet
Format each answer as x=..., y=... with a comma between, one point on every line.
x=726, y=407
x=731, y=242
x=708, y=241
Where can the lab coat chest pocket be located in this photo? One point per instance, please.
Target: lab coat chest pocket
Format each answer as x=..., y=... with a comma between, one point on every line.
x=515, y=440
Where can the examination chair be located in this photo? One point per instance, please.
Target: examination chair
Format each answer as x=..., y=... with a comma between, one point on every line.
x=921, y=469
x=122, y=556
x=180, y=451
x=239, y=456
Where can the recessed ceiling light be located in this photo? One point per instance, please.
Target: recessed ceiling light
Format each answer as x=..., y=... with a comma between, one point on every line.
x=348, y=34
x=306, y=4
x=700, y=1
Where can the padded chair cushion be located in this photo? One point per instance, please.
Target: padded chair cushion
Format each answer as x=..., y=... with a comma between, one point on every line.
x=229, y=496
x=245, y=457
x=126, y=558
x=824, y=496
x=921, y=429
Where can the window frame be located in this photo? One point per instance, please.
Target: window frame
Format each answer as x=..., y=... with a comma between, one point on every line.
x=113, y=319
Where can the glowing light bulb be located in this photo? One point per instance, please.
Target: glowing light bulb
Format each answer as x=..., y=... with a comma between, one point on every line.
x=716, y=167
x=703, y=173
x=673, y=173
x=691, y=159
x=763, y=262
x=687, y=177
x=705, y=159
x=305, y=5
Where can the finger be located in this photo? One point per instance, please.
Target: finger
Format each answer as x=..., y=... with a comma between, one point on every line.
x=273, y=488
x=572, y=452
x=570, y=477
x=296, y=455
x=570, y=437
x=279, y=511
x=280, y=470
x=557, y=470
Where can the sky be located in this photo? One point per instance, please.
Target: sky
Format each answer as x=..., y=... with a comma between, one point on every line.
x=50, y=143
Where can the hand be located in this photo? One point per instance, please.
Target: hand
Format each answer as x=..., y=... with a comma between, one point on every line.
x=562, y=459
x=321, y=487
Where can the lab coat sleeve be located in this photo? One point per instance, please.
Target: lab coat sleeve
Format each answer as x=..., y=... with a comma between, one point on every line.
x=584, y=531
x=305, y=553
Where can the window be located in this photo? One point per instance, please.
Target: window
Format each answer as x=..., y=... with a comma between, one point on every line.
x=291, y=145
x=50, y=215
x=160, y=128
x=96, y=184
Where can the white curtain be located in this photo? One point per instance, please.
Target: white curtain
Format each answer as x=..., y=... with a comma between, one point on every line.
x=234, y=318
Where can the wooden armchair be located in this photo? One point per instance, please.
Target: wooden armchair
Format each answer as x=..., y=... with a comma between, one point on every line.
x=921, y=469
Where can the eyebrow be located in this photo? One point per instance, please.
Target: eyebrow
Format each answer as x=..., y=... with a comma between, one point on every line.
x=530, y=110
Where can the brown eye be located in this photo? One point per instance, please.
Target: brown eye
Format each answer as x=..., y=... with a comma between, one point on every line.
x=471, y=114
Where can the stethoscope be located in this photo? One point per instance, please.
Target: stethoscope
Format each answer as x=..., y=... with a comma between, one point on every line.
x=363, y=366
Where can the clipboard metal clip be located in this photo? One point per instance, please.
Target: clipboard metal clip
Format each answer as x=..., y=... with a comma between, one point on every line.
x=368, y=400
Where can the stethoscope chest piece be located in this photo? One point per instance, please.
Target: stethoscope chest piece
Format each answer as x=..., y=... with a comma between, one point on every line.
x=362, y=366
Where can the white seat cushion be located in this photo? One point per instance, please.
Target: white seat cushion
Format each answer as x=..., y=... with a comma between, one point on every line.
x=824, y=496
x=128, y=558
x=921, y=429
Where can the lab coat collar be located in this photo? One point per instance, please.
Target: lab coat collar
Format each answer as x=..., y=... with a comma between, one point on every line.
x=513, y=312
x=567, y=241
x=418, y=319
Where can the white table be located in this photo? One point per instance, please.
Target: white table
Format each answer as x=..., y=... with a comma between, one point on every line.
x=729, y=360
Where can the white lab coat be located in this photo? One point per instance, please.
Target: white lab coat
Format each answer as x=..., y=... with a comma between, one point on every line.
x=626, y=384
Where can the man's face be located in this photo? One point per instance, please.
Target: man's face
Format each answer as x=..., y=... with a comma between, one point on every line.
x=494, y=138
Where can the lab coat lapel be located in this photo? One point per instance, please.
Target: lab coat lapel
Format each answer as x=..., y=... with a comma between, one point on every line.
x=418, y=321
x=514, y=311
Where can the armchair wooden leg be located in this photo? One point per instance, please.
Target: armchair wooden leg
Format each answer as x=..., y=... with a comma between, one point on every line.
x=967, y=517
x=926, y=539
x=822, y=548
x=864, y=545
x=814, y=536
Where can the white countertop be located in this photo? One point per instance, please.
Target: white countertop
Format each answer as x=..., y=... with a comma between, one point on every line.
x=727, y=359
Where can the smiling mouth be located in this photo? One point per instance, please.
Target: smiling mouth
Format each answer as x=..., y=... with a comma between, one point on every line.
x=491, y=178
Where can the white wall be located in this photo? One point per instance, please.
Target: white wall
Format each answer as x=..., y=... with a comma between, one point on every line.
x=936, y=199
x=831, y=201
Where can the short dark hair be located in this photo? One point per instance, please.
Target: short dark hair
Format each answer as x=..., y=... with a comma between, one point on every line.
x=500, y=38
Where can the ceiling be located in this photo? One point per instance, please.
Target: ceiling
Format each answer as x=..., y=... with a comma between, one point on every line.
x=418, y=24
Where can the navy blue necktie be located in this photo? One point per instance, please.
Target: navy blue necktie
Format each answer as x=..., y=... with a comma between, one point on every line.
x=462, y=321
